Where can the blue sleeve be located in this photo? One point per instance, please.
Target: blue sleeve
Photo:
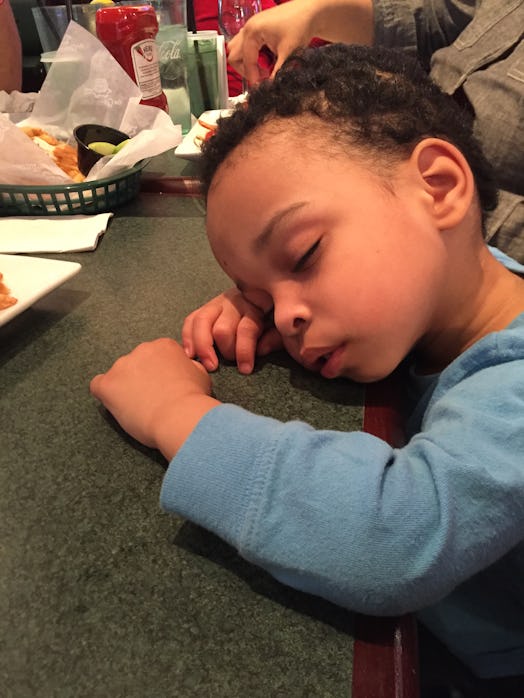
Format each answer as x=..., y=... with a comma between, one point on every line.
x=347, y=517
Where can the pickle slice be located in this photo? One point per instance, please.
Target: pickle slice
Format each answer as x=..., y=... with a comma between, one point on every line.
x=102, y=148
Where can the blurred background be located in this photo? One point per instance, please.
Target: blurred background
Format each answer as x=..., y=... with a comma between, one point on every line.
x=33, y=71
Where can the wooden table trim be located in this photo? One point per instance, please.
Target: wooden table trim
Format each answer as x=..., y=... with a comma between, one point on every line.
x=177, y=186
x=385, y=650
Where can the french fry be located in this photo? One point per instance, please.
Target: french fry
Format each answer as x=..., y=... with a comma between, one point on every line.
x=6, y=300
x=64, y=155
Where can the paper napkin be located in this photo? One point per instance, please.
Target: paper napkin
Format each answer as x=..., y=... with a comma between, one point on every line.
x=52, y=234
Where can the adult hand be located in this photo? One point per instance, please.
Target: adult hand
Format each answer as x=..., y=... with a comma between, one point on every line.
x=156, y=394
x=294, y=24
x=235, y=326
x=282, y=29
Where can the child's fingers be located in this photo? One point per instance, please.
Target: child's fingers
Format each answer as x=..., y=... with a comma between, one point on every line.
x=94, y=385
x=187, y=336
x=229, y=323
x=197, y=337
x=249, y=330
x=200, y=366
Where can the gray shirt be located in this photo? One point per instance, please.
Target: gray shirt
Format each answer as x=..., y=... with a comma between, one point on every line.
x=475, y=51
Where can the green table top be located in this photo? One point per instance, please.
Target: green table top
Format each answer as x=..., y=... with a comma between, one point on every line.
x=102, y=593
x=169, y=165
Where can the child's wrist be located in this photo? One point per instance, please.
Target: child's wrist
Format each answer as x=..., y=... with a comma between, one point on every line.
x=175, y=425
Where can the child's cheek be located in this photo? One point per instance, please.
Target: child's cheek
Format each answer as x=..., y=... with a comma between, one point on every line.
x=292, y=348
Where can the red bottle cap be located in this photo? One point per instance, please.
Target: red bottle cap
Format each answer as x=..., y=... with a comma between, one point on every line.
x=117, y=23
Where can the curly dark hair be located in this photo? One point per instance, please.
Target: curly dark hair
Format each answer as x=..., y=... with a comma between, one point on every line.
x=376, y=99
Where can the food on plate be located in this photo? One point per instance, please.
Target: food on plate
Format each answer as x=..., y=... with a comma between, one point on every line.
x=209, y=124
x=64, y=155
x=6, y=299
x=201, y=138
x=208, y=120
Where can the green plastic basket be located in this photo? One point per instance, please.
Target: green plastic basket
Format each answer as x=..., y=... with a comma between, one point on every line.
x=96, y=196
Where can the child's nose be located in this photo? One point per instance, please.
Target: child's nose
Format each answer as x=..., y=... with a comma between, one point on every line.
x=290, y=315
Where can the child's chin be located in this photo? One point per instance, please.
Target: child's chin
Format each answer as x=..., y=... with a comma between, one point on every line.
x=363, y=374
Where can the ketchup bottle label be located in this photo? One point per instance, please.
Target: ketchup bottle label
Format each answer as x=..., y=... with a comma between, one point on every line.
x=144, y=55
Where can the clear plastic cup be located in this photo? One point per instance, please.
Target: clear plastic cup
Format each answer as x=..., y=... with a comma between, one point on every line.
x=51, y=23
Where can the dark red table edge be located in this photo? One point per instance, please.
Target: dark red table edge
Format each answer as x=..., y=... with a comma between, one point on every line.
x=385, y=650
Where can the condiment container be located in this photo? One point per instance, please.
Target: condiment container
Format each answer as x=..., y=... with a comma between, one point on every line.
x=129, y=32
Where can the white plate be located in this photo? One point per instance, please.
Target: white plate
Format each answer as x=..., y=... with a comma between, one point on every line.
x=188, y=149
x=31, y=278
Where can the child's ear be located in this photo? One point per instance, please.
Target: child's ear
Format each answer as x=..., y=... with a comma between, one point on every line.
x=447, y=179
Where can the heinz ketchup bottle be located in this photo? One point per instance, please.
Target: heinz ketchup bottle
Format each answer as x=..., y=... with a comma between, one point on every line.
x=128, y=32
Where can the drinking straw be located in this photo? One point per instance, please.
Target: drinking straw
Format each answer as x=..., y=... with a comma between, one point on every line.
x=206, y=99
x=69, y=10
x=191, y=22
x=191, y=25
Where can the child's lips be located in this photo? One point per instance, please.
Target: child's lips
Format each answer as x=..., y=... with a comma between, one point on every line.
x=326, y=360
x=333, y=365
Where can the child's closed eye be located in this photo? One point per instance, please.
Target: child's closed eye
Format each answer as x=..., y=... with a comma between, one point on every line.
x=307, y=259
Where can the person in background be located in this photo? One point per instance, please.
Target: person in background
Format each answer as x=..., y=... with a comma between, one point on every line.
x=360, y=253
x=10, y=50
x=473, y=49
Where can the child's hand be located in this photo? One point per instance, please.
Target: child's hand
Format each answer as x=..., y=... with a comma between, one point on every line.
x=156, y=394
x=237, y=328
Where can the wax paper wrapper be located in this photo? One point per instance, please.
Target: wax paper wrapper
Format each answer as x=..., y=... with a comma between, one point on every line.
x=85, y=85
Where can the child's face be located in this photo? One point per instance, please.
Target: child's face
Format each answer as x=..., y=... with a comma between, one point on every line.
x=352, y=270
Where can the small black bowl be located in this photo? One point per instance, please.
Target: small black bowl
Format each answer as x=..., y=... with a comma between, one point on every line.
x=94, y=133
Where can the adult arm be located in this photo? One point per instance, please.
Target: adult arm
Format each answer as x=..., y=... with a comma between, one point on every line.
x=10, y=50
x=421, y=26
x=292, y=24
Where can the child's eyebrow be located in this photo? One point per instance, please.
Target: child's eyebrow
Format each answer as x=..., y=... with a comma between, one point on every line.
x=262, y=240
